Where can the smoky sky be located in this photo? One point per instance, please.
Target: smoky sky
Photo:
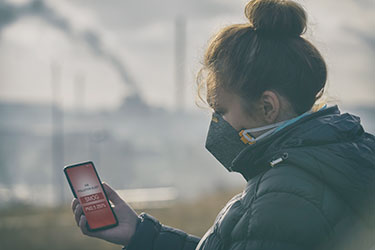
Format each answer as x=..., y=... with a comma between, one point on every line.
x=141, y=33
x=366, y=3
x=11, y=13
x=366, y=38
x=133, y=14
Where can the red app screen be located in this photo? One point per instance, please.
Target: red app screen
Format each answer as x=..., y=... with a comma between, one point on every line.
x=90, y=194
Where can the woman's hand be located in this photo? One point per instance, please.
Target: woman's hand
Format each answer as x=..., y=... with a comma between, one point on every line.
x=127, y=220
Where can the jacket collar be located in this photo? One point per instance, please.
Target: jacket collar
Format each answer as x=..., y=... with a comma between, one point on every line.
x=256, y=158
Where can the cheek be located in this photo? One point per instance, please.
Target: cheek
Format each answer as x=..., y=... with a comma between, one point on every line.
x=240, y=120
x=233, y=121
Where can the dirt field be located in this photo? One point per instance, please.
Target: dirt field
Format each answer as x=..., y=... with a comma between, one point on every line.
x=31, y=228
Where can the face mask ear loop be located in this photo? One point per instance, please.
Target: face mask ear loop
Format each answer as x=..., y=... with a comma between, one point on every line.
x=265, y=134
x=251, y=139
x=247, y=138
x=264, y=127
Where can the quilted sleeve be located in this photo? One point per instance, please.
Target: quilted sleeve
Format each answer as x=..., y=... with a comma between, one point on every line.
x=152, y=235
x=281, y=221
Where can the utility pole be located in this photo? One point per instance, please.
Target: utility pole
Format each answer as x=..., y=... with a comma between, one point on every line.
x=57, y=136
x=180, y=61
x=79, y=91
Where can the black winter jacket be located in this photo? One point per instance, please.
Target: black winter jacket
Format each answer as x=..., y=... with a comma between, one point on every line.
x=320, y=195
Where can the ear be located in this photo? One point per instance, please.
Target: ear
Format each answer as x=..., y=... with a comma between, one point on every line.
x=270, y=103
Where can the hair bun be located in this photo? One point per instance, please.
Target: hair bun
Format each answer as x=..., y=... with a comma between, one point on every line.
x=276, y=17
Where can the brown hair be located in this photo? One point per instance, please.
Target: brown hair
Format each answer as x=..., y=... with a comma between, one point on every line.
x=268, y=53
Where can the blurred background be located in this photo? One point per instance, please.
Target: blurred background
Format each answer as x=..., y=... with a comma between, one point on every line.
x=113, y=82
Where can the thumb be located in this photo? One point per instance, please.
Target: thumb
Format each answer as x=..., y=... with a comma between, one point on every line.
x=112, y=194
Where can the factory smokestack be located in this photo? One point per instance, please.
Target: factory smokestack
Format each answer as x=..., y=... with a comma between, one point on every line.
x=180, y=61
x=79, y=91
x=57, y=135
x=10, y=13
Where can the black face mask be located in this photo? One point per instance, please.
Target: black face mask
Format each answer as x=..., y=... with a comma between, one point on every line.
x=223, y=141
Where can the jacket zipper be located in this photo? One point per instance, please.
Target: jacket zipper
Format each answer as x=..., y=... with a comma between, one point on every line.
x=278, y=160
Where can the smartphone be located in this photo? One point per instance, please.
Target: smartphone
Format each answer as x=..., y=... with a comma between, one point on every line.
x=88, y=189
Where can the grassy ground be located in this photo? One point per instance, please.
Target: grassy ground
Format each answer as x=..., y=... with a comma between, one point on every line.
x=35, y=228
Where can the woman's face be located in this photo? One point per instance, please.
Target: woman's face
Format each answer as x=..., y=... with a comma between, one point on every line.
x=230, y=106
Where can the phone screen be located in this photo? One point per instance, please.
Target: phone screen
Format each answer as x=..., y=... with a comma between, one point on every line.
x=87, y=188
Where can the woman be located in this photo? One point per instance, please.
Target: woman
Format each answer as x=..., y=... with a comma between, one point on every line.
x=309, y=170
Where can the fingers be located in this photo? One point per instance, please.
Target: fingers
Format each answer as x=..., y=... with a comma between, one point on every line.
x=112, y=194
x=81, y=220
x=78, y=212
x=83, y=225
x=74, y=204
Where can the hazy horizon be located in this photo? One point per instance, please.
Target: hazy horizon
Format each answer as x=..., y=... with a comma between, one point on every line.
x=103, y=44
